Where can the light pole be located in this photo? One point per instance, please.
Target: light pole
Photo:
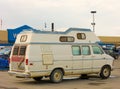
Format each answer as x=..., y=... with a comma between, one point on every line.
x=93, y=23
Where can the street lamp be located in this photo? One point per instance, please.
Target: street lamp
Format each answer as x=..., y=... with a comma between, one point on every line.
x=93, y=23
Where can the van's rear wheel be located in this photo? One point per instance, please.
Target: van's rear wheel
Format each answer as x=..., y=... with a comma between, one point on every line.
x=56, y=76
x=105, y=72
x=37, y=78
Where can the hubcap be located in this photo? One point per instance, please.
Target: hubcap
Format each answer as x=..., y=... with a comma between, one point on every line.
x=57, y=76
x=106, y=72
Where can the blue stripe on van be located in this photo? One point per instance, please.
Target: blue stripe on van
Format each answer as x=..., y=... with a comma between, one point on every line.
x=67, y=31
x=61, y=43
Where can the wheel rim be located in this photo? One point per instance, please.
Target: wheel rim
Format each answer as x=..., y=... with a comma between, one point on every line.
x=106, y=72
x=57, y=76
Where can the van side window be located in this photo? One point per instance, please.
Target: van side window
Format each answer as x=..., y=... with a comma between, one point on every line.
x=67, y=39
x=15, y=50
x=76, y=50
x=97, y=50
x=81, y=36
x=85, y=50
x=22, y=50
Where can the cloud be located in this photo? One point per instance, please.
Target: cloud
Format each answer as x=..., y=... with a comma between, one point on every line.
x=65, y=13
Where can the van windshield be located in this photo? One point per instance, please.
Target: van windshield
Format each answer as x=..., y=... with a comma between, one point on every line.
x=19, y=50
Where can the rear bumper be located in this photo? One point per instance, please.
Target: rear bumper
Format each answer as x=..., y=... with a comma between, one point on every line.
x=19, y=74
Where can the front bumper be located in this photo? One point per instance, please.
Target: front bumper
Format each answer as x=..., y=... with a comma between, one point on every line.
x=19, y=74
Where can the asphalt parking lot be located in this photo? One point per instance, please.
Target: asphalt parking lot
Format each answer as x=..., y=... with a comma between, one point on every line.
x=71, y=82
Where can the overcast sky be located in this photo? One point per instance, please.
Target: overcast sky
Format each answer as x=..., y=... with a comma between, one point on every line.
x=64, y=13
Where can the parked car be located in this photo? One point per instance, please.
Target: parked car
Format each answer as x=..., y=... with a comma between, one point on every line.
x=110, y=49
x=112, y=52
x=4, y=56
x=5, y=53
x=4, y=64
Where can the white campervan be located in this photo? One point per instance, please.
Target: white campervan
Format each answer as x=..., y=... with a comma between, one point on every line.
x=37, y=54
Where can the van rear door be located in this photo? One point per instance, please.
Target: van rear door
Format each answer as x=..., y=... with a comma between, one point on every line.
x=18, y=58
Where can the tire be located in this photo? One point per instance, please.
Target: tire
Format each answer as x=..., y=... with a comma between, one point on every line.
x=56, y=76
x=105, y=72
x=37, y=78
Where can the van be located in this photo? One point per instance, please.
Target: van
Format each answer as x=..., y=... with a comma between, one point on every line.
x=37, y=54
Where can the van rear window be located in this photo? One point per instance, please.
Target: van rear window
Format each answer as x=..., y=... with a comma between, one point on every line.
x=19, y=50
x=15, y=51
x=22, y=50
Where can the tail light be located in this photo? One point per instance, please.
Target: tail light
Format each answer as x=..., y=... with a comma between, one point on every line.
x=26, y=61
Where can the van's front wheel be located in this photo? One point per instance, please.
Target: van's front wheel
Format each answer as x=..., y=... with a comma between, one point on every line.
x=105, y=72
x=56, y=76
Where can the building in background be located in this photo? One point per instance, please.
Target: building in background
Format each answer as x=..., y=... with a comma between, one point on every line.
x=8, y=37
x=110, y=40
x=3, y=36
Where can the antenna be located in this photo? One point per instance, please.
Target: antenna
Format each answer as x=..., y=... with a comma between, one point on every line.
x=52, y=27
